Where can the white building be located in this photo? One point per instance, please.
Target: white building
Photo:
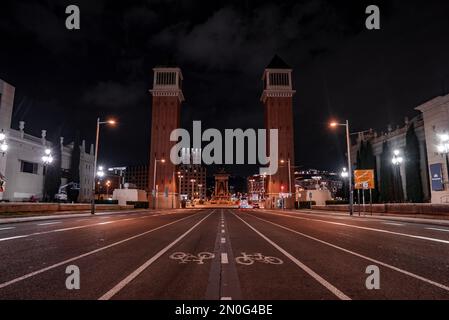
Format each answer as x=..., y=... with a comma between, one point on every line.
x=21, y=165
x=436, y=127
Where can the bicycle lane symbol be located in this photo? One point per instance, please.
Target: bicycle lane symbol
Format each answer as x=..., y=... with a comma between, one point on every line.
x=249, y=259
x=184, y=257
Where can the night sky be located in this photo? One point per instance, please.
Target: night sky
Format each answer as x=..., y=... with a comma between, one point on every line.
x=65, y=79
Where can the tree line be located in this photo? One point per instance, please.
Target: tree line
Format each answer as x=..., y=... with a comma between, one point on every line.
x=390, y=187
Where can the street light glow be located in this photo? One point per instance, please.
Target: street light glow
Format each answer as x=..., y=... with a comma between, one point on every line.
x=444, y=137
x=112, y=122
x=397, y=159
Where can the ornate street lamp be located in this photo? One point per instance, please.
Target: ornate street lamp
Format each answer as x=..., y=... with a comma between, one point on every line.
x=47, y=159
x=3, y=144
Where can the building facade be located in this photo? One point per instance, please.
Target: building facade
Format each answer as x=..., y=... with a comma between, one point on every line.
x=435, y=131
x=137, y=177
x=192, y=181
x=277, y=99
x=396, y=141
x=21, y=165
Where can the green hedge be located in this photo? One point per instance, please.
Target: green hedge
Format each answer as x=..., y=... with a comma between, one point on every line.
x=331, y=202
x=304, y=204
x=139, y=204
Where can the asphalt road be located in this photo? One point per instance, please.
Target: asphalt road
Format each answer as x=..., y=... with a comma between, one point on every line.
x=224, y=254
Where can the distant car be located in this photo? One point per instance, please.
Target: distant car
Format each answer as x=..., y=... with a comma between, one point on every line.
x=244, y=204
x=256, y=205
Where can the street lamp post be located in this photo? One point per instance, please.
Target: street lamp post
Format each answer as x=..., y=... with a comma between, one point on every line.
x=397, y=160
x=199, y=191
x=348, y=145
x=193, y=189
x=289, y=177
x=443, y=148
x=97, y=138
x=47, y=159
x=3, y=149
x=263, y=186
x=108, y=184
x=180, y=176
x=154, y=181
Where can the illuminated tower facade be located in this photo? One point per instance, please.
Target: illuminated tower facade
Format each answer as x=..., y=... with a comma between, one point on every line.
x=166, y=108
x=277, y=99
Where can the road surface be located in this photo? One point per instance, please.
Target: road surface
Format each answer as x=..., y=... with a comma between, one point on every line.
x=224, y=254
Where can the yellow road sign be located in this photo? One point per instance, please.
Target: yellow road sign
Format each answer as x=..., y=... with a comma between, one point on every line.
x=364, y=179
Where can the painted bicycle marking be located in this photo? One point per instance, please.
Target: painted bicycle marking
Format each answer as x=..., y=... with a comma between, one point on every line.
x=184, y=257
x=249, y=259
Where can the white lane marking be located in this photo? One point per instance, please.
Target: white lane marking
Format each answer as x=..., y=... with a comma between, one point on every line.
x=225, y=298
x=107, y=222
x=223, y=240
x=438, y=229
x=222, y=231
x=393, y=223
x=312, y=273
x=224, y=258
x=48, y=223
x=363, y=228
x=31, y=274
x=65, y=229
x=7, y=228
x=108, y=295
x=12, y=238
x=413, y=275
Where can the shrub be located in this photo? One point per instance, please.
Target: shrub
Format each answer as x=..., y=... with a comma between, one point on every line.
x=139, y=204
x=304, y=204
x=332, y=202
x=106, y=201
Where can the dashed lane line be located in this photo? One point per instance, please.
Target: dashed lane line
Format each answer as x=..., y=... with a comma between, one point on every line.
x=7, y=228
x=48, y=223
x=438, y=229
x=224, y=258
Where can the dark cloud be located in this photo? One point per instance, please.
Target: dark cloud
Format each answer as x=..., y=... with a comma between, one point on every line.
x=115, y=95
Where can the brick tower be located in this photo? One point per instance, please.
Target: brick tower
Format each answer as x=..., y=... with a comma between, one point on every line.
x=277, y=98
x=166, y=107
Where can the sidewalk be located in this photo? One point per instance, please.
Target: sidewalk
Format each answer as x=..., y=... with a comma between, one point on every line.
x=412, y=218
